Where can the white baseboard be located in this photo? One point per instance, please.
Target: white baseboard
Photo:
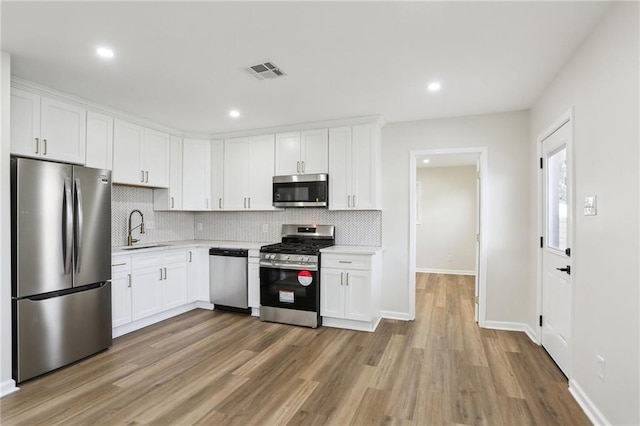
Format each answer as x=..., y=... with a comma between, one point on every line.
x=368, y=326
x=589, y=408
x=7, y=387
x=145, y=322
x=445, y=271
x=403, y=316
x=513, y=326
x=204, y=305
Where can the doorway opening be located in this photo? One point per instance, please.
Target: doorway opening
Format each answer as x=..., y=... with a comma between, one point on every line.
x=447, y=232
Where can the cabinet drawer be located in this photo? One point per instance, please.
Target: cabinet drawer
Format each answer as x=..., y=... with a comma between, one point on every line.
x=120, y=264
x=348, y=261
x=146, y=260
x=174, y=256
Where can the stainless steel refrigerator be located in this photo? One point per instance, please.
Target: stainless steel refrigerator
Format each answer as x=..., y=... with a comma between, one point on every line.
x=61, y=264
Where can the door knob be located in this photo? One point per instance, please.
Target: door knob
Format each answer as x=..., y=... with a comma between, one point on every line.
x=567, y=269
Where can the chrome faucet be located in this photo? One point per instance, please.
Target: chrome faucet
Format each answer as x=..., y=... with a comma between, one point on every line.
x=130, y=239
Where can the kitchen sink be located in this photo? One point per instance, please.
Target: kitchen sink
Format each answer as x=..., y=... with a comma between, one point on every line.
x=143, y=246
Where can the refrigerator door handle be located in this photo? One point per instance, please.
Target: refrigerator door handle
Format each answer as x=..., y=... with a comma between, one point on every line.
x=79, y=225
x=67, y=231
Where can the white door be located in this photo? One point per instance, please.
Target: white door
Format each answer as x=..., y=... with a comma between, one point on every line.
x=174, y=285
x=556, y=260
x=478, y=236
x=146, y=295
x=357, y=295
x=25, y=124
x=99, y=151
x=332, y=293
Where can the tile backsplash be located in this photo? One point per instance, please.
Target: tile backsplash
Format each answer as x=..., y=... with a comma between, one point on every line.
x=160, y=226
x=355, y=228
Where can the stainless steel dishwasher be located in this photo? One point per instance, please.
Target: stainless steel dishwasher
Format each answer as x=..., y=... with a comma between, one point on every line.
x=228, y=279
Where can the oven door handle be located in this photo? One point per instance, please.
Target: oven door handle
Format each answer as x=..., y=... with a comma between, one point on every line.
x=290, y=266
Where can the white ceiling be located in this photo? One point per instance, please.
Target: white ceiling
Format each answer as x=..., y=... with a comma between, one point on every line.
x=181, y=63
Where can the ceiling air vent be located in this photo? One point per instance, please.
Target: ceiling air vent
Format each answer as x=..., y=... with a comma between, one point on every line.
x=265, y=71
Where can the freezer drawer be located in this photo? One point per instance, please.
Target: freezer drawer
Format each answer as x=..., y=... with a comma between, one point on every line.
x=52, y=332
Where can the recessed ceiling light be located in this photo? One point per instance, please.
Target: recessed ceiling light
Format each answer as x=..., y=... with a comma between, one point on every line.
x=426, y=160
x=434, y=86
x=104, y=52
x=234, y=113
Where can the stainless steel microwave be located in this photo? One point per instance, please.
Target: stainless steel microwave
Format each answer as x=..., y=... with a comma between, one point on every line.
x=301, y=190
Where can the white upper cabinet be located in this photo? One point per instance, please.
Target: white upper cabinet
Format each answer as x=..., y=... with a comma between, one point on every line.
x=217, y=175
x=99, y=151
x=354, y=168
x=140, y=156
x=260, y=181
x=47, y=128
x=171, y=198
x=196, y=174
x=248, y=173
x=236, y=173
x=155, y=158
x=302, y=152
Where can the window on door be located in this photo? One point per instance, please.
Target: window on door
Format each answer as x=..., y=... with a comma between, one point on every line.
x=557, y=199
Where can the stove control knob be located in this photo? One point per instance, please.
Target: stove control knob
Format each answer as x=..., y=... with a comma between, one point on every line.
x=305, y=259
x=273, y=256
x=285, y=257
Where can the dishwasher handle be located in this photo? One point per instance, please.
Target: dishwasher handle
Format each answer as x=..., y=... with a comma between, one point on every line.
x=228, y=252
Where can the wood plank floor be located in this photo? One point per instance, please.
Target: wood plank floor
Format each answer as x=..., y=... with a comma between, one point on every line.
x=218, y=368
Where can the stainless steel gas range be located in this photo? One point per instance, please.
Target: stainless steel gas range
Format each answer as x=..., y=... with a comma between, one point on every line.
x=290, y=275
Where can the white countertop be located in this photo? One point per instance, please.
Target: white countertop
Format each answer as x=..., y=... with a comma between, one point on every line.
x=351, y=250
x=168, y=245
x=248, y=245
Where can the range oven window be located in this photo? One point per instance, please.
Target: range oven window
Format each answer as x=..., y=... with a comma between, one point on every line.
x=291, y=289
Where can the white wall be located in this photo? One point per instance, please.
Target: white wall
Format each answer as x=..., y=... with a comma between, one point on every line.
x=601, y=82
x=6, y=382
x=446, y=236
x=509, y=262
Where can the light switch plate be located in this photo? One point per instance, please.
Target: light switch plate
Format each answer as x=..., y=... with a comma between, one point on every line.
x=590, y=205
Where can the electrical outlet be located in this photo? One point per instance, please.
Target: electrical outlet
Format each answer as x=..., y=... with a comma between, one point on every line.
x=601, y=368
x=199, y=226
x=450, y=258
x=265, y=227
x=148, y=224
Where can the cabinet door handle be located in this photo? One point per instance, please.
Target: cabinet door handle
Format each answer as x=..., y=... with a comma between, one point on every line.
x=146, y=176
x=44, y=149
x=347, y=278
x=142, y=176
x=165, y=274
x=37, y=145
x=341, y=278
x=119, y=264
x=172, y=204
x=345, y=261
x=353, y=197
x=207, y=203
x=219, y=203
x=190, y=256
x=302, y=166
x=298, y=167
x=128, y=280
x=245, y=202
x=348, y=200
x=249, y=202
x=160, y=274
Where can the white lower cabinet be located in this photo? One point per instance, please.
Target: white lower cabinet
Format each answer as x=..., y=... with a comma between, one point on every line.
x=349, y=293
x=174, y=279
x=253, y=276
x=198, y=274
x=146, y=294
x=121, y=290
x=152, y=286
